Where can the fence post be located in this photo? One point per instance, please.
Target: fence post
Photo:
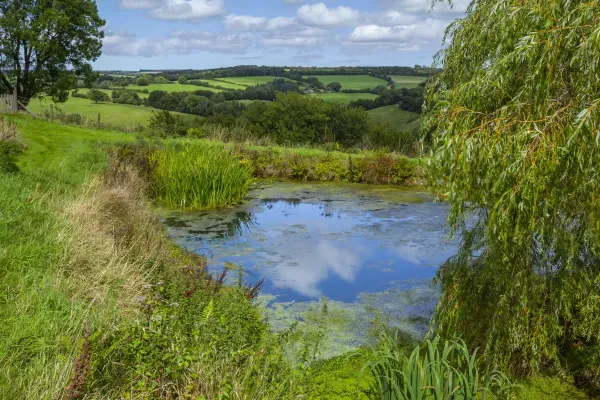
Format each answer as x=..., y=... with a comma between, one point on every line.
x=15, y=106
x=98, y=120
x=51, y=112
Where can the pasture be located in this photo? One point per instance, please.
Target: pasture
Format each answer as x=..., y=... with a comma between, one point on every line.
x=224, y=84
x=172, y=87
x=404, y=81
x=247, y=80
x=344, y=97
x=352, y=82
x=393, y=117
x=110, y=113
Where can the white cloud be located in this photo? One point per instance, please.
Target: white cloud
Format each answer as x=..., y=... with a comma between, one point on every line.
x=416, y=33
x=178, y=42
x=248, y=23
x=244, y=23
x=185, y=10
x=322, y=16
x=424, y=6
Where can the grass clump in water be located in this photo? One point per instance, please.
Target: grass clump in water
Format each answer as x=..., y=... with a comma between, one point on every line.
x=197, y=176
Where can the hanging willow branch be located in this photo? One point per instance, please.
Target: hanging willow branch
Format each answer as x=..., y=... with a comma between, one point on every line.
x=515, y=122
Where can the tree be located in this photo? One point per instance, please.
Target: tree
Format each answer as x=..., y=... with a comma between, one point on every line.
x=514, y=118
x=160, y=79
x=182, y=79
x=46, y=46
x=144, y=80
x=335, y=86
x=98, y=96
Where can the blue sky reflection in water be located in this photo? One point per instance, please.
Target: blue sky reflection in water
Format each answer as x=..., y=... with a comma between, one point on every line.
x=349, y=243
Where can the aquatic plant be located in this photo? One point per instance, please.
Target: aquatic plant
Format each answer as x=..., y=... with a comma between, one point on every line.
x=198, y=175
x=434, y=370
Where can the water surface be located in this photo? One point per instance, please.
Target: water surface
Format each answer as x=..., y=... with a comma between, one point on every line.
x=368, y=250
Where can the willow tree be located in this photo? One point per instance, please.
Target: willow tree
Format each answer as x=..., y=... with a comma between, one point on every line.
x=515, y=124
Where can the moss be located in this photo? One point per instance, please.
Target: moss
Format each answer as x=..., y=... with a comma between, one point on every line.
x=544, y=388
x=340, y=378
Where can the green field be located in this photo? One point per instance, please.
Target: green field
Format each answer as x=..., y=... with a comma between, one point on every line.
x=408, y=82
x=393, y=117
x=228, y=85
x=352, y=82
x=171, y=87
x=344, y=97
x=111, y=113
x=247, y=80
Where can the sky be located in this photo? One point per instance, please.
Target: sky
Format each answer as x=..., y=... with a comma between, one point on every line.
x=202, y=34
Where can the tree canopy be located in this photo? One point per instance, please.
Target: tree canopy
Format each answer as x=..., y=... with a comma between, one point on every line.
x=515, y=122
x=46, y=46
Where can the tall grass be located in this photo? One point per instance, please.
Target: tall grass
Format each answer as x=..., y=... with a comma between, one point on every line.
x=198, y=175
x=434, y=370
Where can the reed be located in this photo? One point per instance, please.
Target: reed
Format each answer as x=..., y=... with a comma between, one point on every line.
x=434, y=370
x=198, y=175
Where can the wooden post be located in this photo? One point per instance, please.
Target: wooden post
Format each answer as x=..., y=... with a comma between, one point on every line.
x=51, y=111
x=15, y=106
x=98, y=120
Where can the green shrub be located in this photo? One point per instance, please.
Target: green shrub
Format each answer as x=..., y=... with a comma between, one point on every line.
x=164, y=124
x=330, y=169
x=299, y=168
x=198, y=175
x=403, y=170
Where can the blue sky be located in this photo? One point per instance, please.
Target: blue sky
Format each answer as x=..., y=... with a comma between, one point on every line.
x=199, y=34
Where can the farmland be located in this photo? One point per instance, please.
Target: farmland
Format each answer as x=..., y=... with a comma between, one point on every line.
x=224, y=84
x=353, y=82
x=246, y=80
x=395, y=118
x=171, y=87
x=403, y=81
x=111, y=113
x=344, y=97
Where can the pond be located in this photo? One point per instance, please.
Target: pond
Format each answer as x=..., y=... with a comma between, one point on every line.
x=370, y=251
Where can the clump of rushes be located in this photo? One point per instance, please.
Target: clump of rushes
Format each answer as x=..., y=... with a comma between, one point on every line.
x=198, y=175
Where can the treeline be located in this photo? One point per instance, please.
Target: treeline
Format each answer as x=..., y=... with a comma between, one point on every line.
x=407, y=99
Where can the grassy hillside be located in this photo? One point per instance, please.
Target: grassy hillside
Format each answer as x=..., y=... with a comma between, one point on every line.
x=111, y=113
x=396, y=118
x=247, y=80
x=227, y=85
x=403, y=81
x=172, y=87
x=354, y=82
x=344, y=97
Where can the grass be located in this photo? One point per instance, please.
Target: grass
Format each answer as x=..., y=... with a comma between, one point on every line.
x=247, y=80
x=434, y=370
x=224, y=84
x=354, y=82
x=408, y=82
x=198, y=175
x=393, y=117
x=344, y=97
x=111, y=113
x=172, y=87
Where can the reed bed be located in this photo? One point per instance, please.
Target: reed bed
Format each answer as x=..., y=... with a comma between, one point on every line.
x=435, y=371
x=198, y=175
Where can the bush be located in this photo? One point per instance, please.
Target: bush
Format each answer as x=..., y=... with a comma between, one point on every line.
x=79, y=95
x=98, y=96
x=198, y=175
x=164, y=124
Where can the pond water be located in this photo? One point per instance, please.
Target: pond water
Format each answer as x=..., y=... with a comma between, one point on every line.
x=370, y=251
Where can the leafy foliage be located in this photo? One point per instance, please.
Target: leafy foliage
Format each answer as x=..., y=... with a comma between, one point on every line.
x=514, y=118
x=46, y=45
x=98, y=96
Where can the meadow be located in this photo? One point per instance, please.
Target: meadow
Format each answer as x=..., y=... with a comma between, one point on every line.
x=224, y=84
x=172, y=87
x=111, y=113
x=395, y=118
x=354, y=82
x=404, y=81
x=247, y=80
x=344, y=97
